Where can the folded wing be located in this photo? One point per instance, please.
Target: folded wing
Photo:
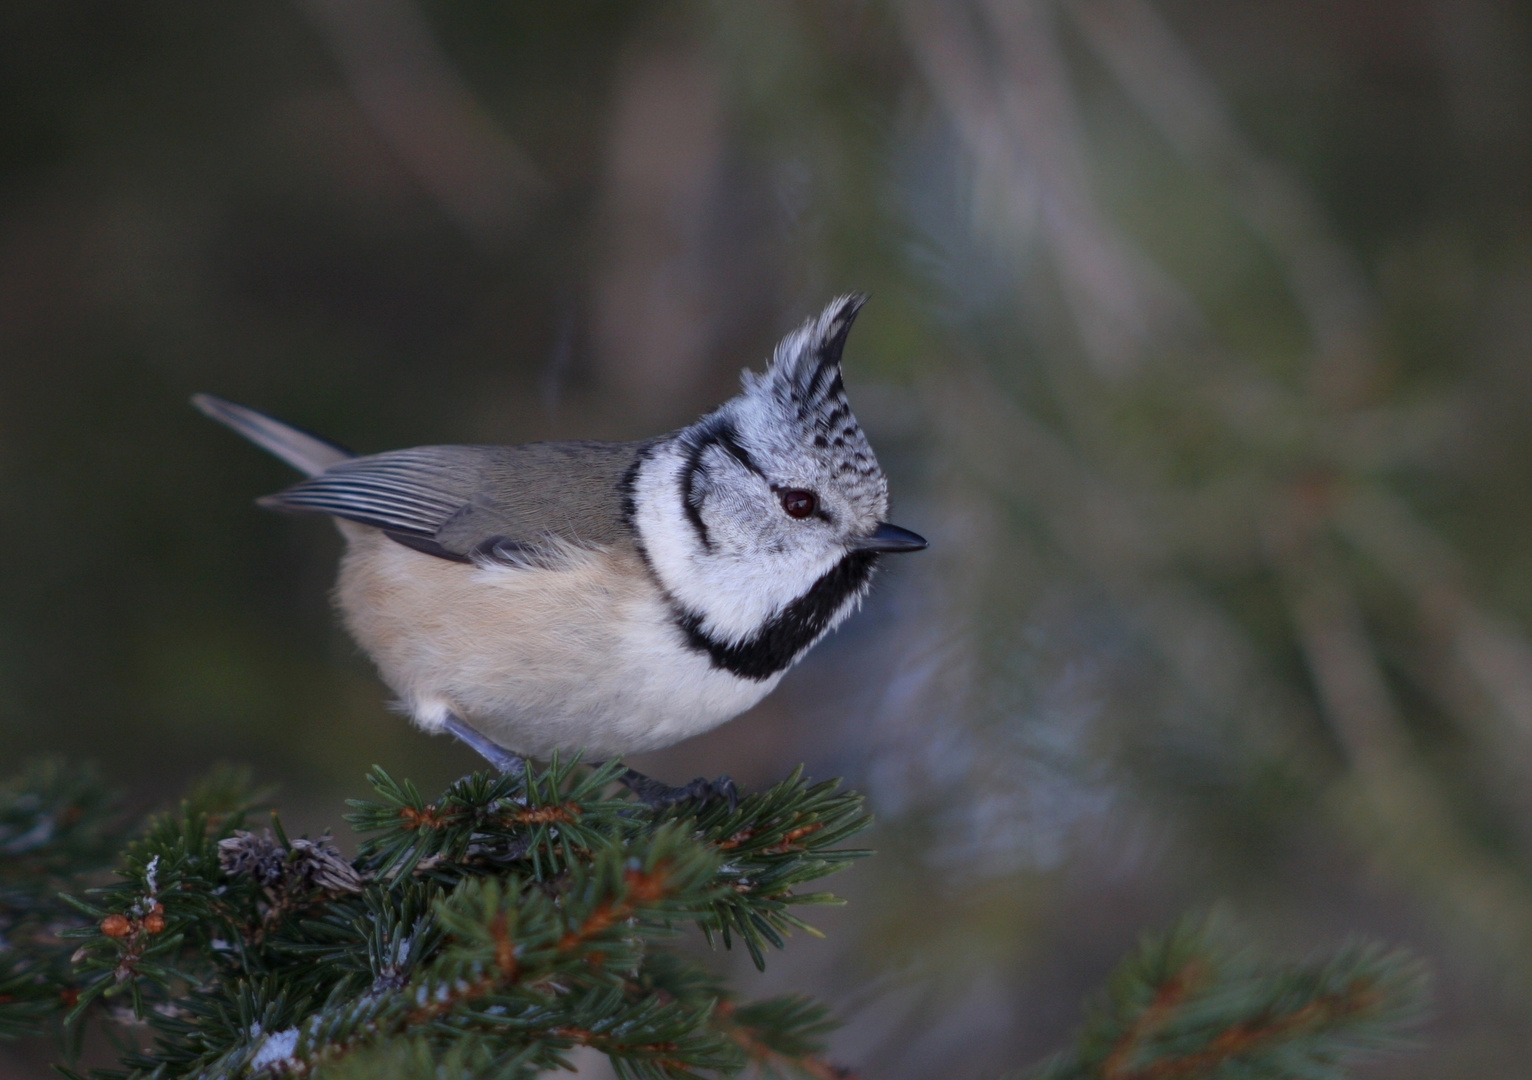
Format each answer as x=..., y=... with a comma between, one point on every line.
x=509, y=504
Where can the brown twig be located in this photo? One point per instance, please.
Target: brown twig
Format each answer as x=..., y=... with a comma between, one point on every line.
x=1237, y=1040
x=762, y=1054
x=1166, y=1001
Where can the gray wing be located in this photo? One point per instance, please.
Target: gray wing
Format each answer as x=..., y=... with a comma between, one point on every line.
x=469, y=503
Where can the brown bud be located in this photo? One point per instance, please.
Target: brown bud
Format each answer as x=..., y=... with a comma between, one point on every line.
x=154, y=922
x=116, y=926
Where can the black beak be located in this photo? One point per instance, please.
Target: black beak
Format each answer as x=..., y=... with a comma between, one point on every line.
x=890, y=538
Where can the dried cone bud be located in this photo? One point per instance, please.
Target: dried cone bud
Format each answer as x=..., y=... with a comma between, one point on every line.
x=154, y=922
x=116, y=926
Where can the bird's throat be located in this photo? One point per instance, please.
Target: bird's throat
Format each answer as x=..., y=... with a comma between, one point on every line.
x=783, y=638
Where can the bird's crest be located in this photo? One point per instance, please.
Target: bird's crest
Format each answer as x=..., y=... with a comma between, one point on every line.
x=805, y=369
x=800, y=404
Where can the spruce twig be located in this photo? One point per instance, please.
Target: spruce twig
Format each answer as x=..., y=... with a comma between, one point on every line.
x=1188, y=1005
x=493, y=928
x=490, y=931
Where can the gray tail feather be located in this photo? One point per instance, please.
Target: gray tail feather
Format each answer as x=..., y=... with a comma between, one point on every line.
x=307, y=453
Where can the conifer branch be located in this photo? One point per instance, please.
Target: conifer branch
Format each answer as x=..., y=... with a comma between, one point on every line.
x=1188, y=1005
x=58, y=827
x=492, y=930
x=501, y=925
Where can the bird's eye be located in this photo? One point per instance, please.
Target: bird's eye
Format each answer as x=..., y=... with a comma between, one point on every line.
x=799, y=503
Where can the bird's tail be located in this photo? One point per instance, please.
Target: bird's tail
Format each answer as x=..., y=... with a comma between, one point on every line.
x=309, y=454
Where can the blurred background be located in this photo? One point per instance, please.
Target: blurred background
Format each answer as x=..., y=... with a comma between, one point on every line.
x=1198, y=348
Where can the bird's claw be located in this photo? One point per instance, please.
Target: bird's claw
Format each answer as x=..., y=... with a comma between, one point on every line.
x=658, y=795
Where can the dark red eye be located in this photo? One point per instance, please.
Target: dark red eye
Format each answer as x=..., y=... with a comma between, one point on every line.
x=799, y=503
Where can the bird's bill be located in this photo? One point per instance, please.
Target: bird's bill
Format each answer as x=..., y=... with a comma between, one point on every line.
x=889, y=538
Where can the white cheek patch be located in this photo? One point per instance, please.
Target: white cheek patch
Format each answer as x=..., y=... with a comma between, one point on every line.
x=735, y=591
x=668, y=538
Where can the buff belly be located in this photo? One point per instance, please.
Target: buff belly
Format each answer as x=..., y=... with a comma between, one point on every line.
x=582, y=657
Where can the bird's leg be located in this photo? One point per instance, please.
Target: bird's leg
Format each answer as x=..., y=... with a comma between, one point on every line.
x=657, y=794
x=654, y=793
x=507, y=763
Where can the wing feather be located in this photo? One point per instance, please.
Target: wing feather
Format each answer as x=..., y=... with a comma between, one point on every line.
x=521, y=505
x=407, y=491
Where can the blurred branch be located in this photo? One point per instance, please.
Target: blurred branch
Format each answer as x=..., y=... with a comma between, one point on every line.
x=1492, y=650
x=1133, y=529
x=1477, y=665
x=427, y=114
x=1415, y=826
x=997, y=73
x=1125, y=538
x=1187, y=1005
x=1165, y=81
x=655, y=299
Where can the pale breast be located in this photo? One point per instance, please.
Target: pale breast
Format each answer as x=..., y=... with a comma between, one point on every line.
x=582, y=656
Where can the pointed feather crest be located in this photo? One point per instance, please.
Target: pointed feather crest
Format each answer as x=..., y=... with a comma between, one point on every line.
x=805, y=369
x=797, y=410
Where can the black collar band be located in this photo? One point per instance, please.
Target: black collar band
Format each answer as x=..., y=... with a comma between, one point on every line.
x=783, y=639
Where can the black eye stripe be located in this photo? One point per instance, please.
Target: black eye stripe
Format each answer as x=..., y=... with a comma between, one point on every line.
x=723, y=436
x=689, y=502
x=728, y=438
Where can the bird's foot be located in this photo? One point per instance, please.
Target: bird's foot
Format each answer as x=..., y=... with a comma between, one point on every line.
x=658, y=795
x=505, y=762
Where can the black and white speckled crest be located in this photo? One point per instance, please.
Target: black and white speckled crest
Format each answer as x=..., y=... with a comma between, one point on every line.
x=803, y=399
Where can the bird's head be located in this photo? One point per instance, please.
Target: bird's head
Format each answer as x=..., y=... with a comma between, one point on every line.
x=771, y=507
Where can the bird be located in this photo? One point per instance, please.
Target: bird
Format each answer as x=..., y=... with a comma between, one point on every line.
x=605, y=598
